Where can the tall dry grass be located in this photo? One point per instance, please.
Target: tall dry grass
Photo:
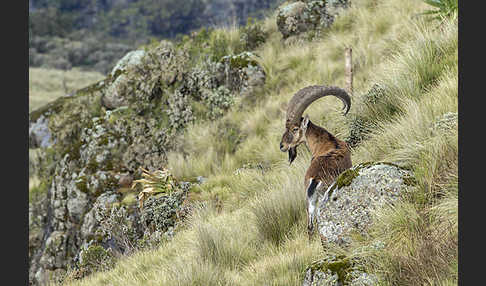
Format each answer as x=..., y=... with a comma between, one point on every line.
x=255, y=234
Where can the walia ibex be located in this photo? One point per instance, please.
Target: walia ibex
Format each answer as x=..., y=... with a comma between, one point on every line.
x=330, y=156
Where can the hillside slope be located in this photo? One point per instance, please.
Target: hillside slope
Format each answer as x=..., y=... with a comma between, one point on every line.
x=48, y=84
x=412, y=122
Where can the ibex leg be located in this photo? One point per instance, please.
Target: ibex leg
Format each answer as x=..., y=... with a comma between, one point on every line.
x=311, y=204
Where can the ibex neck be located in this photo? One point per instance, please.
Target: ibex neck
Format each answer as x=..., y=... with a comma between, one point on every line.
x=319, y=140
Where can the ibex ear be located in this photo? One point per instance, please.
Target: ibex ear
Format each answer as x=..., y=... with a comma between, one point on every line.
x=292, y=154
x=305, y=122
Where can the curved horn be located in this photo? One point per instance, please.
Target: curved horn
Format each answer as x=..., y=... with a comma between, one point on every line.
x=304, y=97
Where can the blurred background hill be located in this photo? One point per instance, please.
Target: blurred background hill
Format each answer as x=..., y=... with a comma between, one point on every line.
x=93, y=35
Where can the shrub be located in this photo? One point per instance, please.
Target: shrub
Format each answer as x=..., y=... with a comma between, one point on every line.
x=252, y=35
x=180, y=111
x=361, y=125
x=161, y=213
x=95, y=258
x=121, y=228
x=218, y=101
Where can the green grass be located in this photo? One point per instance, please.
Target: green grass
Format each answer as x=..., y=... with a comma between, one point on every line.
x=251, y=226
x=48, y=84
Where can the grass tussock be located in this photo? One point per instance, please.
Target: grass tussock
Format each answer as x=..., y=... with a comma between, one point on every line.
x=222, y=244
x=252, y=228
x=284, y=264
x=421, y=245
x=278, y=211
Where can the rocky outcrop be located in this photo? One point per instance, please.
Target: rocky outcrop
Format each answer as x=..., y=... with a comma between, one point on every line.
x=302, y=16
x=345, y=207
x=93, y=142
x=131, y=59
x=242, y=73
x=448, y=121
x=347, y=204
x=39, y=134
x=337, y=271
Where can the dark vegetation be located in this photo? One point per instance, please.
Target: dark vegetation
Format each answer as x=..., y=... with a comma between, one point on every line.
x=95, y=34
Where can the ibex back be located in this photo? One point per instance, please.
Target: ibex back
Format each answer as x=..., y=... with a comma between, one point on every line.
x=330, y=156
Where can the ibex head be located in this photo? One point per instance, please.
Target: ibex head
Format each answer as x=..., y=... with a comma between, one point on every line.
x=296, y=125
x=293, y=136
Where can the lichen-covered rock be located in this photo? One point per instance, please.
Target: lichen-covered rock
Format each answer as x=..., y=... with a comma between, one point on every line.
x=89, y=171
x=289, y=19
x=37, y=210
x=337, y=271
x=64, y=117
x=255, y=77
x=142, y=77
x=90, y=227
x=302, y=16
x=91, y=141
x=39, y=134
x=347, y=204
x=69, y=198
x=56, y=247
x=131, y=59
x=447, y=121
x=242, y=73
x=114, y=97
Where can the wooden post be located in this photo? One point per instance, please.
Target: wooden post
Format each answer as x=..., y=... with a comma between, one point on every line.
x=64, y=84
x=348, y=69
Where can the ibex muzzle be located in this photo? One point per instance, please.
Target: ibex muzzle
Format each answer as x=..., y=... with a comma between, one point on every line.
x=330, y=156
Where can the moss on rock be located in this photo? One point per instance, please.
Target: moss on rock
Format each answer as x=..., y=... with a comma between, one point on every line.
x=346, y=205
x=240, y=61
x=340, y=265
x=336, y=270
x=93, y=142
x=346, y=177
x=81, y=184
